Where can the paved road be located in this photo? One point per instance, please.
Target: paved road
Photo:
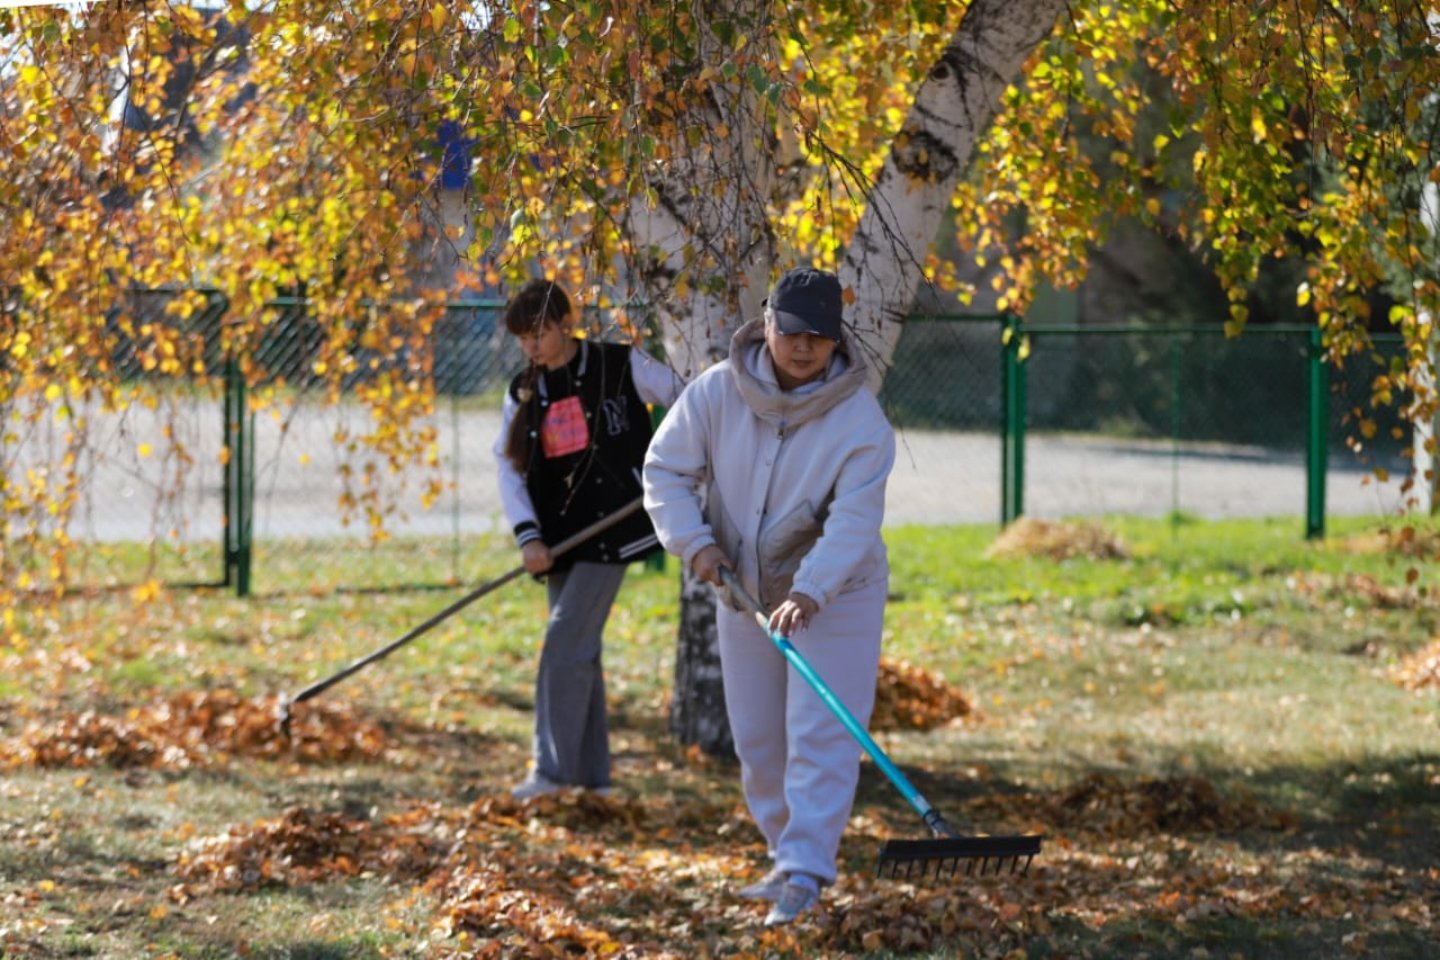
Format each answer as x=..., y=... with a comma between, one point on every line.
x=939, y=478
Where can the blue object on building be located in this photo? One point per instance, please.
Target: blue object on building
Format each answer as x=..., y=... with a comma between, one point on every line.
x=455, y=153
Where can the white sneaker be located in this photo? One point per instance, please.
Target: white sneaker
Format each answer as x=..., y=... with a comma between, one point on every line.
x=766, y=888
x=535, y=785
x=796, y=897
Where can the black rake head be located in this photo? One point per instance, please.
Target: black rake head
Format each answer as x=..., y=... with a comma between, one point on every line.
x=943, y=857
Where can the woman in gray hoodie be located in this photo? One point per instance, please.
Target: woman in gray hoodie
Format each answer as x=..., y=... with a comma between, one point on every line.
x=773, y=464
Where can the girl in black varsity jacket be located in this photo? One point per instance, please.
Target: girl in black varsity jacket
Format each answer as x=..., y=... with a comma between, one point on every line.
x=575, y=429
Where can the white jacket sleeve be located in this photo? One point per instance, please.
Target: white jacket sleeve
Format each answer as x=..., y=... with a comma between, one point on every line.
x=514, y=495
x=676, y=466
x=852, y=527
x=656, y=382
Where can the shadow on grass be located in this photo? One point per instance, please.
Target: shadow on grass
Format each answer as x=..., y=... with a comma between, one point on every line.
x=1384, y=810
x=347, y=950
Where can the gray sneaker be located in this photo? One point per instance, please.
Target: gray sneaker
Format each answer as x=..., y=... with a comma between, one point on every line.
x=795, y=899
x=535, y=785
x=766, y=888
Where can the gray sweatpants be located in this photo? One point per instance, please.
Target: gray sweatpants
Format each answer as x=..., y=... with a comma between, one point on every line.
x=572, y=739
x=798, y=764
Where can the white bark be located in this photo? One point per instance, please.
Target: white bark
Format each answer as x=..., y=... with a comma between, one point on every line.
x=1424, y=409
x=706, y=225
x=702, y=236
x=884, y=264
x=704, y=253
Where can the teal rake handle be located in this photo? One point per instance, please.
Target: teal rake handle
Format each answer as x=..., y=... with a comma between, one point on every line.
x=929, y=814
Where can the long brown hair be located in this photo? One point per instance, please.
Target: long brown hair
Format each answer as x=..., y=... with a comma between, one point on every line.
x=535, y=304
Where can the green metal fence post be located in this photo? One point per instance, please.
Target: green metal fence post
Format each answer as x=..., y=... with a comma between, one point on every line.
x=455, y=318
x=1012, y=420
x=1317, y=437
x=238, y=483
x=1176, y=398
x=227, y=480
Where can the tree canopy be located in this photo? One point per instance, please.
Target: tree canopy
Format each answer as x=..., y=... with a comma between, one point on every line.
x=303, y=147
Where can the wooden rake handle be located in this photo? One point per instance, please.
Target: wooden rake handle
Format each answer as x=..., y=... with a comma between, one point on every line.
x=560, y=549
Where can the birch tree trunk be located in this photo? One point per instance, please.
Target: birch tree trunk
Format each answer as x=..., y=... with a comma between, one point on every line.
x=1425, y=411
x=703, y=241
x=711, y=250
x=704, y=250
x=884, y=262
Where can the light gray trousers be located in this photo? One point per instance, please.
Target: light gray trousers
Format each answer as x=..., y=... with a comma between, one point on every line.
x=572, y=739
x=798, y=764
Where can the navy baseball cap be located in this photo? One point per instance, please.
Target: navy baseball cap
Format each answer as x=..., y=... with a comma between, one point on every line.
x=807, y=300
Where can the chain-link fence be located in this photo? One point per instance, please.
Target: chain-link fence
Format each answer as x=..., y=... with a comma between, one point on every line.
x=252, y=488
x=1156, y=421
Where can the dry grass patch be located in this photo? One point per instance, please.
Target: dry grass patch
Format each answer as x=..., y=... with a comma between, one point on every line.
x=1407, y=541
x=1057, y=540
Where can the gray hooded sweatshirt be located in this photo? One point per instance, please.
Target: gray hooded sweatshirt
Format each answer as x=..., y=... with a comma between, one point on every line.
x=789, y=484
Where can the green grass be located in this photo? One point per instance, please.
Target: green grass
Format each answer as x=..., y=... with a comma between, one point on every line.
x=1233, y=653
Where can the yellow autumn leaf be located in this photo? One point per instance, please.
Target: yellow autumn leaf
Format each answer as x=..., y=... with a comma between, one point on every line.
x=1257, y=127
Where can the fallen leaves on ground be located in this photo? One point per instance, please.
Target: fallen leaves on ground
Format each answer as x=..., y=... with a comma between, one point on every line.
x=1356, y=586
x=579, y=874
x=304, y=846
x=910, y=698
x=193, y=729
x=1032, y=537
x=1378, y=595
x=1420, y=670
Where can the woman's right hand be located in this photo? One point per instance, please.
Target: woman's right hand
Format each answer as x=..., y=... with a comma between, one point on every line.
x=708, y=562
x=536, y=557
